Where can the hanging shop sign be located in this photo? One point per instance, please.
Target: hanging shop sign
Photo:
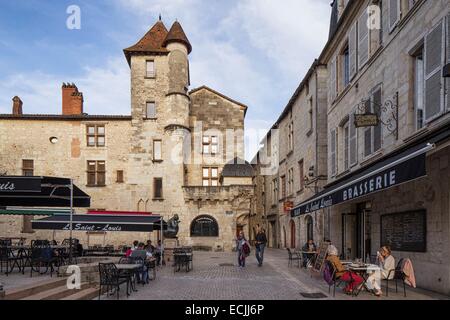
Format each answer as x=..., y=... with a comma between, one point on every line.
x=366, y=120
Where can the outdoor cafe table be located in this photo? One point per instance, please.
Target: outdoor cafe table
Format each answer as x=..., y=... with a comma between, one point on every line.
x=364, y=270
x=129, y=270
x=311, y=255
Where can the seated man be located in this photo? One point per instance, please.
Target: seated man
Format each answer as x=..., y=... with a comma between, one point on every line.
x=311, y=247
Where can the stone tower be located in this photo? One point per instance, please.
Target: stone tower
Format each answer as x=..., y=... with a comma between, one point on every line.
x=160, y=112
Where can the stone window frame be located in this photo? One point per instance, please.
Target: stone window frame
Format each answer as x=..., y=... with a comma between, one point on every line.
x=98, y=173
x=153, y=116
x=147, y=74
x=212, y=181
x=27, y=167
x=208, y=144
x=96, y=134
x=120, y=176
x=155, y=158
x=157, y=196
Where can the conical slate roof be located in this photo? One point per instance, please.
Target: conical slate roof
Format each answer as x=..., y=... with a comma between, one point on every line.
x=176, y=34
x=152, y=42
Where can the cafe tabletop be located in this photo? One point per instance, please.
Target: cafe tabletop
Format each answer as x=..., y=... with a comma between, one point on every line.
x=363, y=267
x=128, y=266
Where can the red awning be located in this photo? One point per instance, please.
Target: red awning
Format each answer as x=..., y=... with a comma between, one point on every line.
x=122, y=213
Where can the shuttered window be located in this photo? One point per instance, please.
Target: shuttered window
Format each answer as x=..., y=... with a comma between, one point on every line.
x=363, y=40
x=333, y=152
x=433, y=76
x=394, y=13
x=352, y=46
x=353, y=140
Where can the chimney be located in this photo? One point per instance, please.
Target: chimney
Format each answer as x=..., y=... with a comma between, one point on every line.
x=17, y=106
x=72, y=100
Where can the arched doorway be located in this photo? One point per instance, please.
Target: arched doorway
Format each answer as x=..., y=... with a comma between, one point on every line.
x=309, y=228
x=292, y=227
x=204, y=226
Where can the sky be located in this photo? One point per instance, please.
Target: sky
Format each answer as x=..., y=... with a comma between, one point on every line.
x=254, y=51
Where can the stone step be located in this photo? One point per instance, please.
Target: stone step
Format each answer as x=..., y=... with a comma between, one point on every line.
x=86, y=294
x=35, y=288
x=55, y=293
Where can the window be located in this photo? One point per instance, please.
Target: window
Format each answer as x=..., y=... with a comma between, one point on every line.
x=373, y=135
x=283, y=187
x=363, y=40
x=96, y=171
x=301, y=166
x=333, y=151
x=119, y=176
x=28, y=168
x=210, y=177
x=433, y=73
x=210, y=145
x=204, y=226
x=311, y=115
x=157, y=150
x=419, y=89
x=95, y=135
x=291, y=136
x=150, y=110
x=333, y=82
x=157, y=188
x=150, y=70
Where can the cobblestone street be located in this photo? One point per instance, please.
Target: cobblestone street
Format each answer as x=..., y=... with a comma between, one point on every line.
x=217, y=277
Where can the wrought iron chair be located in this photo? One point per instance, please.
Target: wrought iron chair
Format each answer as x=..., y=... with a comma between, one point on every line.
x=398, y=275
x=42, y=259
x=110, y=278
x=336, y=280
x=293, y=258
x=6, y=256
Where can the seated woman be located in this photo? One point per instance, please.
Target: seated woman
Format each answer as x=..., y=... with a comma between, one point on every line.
x=352, y=279
x=386, y=263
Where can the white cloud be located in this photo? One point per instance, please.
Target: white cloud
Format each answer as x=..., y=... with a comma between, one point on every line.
x=106, y=90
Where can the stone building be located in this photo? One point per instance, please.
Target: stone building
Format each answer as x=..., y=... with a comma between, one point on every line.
x=388, y=134
x=176, y=153
x=300, y=170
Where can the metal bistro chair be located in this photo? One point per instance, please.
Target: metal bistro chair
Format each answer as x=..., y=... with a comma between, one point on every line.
x=111, y=279
x=7, y=256
x=336, y=281
x=42, y=259
x=398, y=275
x=293, y=258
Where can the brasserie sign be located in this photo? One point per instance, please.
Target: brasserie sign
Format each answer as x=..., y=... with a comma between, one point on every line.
x=19, y=184
x=409, y=170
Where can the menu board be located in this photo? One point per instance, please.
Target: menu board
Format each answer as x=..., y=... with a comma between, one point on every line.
x=321, y=256
x=405, y=231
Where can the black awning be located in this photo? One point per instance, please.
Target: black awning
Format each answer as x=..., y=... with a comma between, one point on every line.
x=110, y=223
x=40, y=192
x=393, y=171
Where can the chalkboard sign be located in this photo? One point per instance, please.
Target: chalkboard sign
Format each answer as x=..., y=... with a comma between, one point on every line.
x=321, y=256
x=405, y=231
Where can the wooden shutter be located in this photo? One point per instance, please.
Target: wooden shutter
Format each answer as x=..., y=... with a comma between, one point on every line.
x=352, y=48
x=394, y=13
x=433, y=77
x=333, y=80
x=368, y=133
x=447, y=80
x=333, y=152
x=363, y=40
x=378, y=130
x=353, y=145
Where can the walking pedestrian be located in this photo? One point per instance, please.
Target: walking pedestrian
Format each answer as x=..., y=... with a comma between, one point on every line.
x=260, y=243
x=243, y=249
